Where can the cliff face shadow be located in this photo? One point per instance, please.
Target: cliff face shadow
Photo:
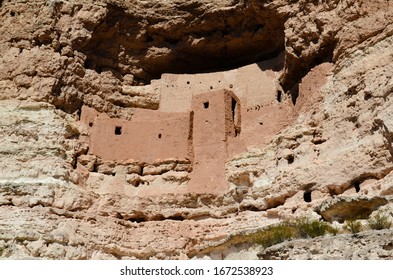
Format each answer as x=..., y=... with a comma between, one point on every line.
x=229, y=40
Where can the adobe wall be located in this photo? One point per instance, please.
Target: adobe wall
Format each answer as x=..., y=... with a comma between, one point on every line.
x=209, y=132
x=253, y=84
x=261, y=122
x=263, y=112
x=310, y=87
x=205, y=119
x=214, y=123
x=149, y=136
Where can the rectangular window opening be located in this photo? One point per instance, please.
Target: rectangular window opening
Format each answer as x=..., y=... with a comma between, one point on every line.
x=235, y=116
x=279, y=95
x=234, y=104
x=205, y=105
x=118, y=130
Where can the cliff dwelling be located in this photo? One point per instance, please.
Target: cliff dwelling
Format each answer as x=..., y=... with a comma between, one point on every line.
x=203, y=120
x=183, y=130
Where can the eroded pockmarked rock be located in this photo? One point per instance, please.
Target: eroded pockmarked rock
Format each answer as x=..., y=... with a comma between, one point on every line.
x=365, y=246
x=145, y=129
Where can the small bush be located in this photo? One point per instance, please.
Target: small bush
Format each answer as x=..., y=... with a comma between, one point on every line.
x=299, y=228
x=353, y=226
x=379, y=221
x=332, y=230
x=313, y=228
x=274, y=235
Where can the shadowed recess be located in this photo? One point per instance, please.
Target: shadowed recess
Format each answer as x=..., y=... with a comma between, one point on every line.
x=215, y=41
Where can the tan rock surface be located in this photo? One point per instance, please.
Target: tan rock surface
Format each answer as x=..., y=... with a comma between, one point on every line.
x=321, y=74
x=365, y=246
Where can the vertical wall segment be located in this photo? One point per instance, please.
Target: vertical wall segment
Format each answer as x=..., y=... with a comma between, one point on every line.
x=215, y=114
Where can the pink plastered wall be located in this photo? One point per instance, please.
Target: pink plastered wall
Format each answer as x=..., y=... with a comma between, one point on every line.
x=253, y=84
x=148, y=136
x=214, y=123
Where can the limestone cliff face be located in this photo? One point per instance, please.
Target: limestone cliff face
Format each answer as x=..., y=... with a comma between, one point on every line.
x=312, y=81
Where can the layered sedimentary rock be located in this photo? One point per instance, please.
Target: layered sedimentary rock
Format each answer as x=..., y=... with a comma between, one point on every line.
x=159, y=129
x=365, y=246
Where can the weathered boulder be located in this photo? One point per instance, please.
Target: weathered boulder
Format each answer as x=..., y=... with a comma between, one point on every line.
x=347, y=207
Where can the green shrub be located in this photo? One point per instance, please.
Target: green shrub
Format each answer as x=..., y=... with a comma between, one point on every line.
x=353, y=226
x=312, y=228
x=332, y=230
x=274, y=235
x=299, y=228
x=379, y=221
